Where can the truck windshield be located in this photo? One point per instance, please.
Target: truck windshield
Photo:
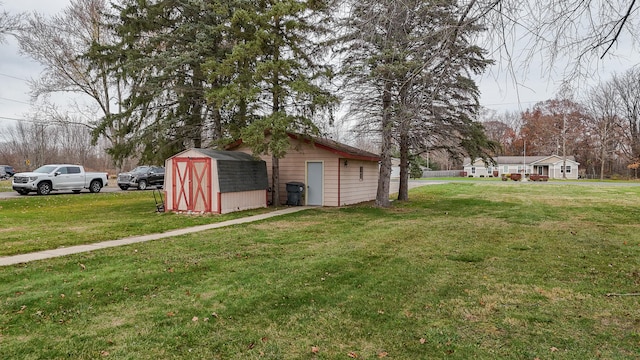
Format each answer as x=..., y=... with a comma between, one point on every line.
x=140, y=169
x=47, y=169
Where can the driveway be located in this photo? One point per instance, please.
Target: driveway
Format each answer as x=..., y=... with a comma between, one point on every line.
x=13, y=194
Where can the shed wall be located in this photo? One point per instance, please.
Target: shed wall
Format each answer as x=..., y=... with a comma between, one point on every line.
x=242, y=200
x=198, y=189
x=339, y=182
x=355, y=190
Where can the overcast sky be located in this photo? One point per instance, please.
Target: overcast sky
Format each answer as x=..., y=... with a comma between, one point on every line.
x=497, y=86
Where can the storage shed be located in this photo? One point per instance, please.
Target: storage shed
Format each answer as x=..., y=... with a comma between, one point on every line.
x=333, y=174
x=205, y=181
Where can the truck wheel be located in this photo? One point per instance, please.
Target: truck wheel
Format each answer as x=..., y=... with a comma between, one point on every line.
x=23, y=192
x=95, y=186
x=76, y=191
x=142, y=185
x=44, y=188
x=124, y=187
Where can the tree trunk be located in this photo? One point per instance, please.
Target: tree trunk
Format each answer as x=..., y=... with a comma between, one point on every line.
x=384, y=179
x=275, y=180
x=603, y=152
x=403, y=190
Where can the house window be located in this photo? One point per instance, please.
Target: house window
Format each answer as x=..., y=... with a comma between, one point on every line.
x=505, y=169
x=361, y=173
x=568, y=169
x=473, y=170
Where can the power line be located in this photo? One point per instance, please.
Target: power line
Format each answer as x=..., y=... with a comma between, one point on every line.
x=13, y=77
x=17, y=101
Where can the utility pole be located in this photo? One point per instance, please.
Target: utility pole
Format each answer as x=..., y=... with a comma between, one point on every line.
x=524, y=160
x=564, y=145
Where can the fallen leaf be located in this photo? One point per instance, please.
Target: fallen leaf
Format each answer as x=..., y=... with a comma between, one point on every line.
x=194, y=319
x=383, y=354
x=553, y=349
x=104, y=353
x=170, y=270
x=83, y=267
x=353, y=355
x=265, y=339
x=423, y=340
x=251, y=346
x=315, y=349
x=171, y=313
x=62, y=296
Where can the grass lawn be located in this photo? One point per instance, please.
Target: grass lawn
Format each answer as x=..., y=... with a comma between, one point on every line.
x=5, y=185
x=35, y=223
x=462, y=271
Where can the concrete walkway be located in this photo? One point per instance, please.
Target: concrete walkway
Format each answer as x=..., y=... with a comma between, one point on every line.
x=48, y=254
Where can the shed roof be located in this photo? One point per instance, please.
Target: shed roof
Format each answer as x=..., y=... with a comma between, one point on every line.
x=237, y=171
x=226, y=155
x=340, y=149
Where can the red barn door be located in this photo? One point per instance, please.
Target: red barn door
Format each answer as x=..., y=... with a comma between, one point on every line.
x=192, y=184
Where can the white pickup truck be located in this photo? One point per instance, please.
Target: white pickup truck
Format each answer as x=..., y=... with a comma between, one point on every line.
x=48, y=178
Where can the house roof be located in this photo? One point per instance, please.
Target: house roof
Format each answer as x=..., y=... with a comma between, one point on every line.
x=531, y=160
x=340, y=149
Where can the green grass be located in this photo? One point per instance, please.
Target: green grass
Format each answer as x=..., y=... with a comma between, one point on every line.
x=36, y=223
x=5, y=185
x=462, y=271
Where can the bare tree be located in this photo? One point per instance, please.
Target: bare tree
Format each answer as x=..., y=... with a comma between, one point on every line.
x=60, y=43
x=568, y=38
x=627, y=87
x=9, y=23
x=604, y=122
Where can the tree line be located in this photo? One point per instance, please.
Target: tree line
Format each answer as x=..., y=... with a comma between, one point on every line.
x=600, y=128
x=167, y=75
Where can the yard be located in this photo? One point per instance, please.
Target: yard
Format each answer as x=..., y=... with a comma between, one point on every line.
x=465, y=270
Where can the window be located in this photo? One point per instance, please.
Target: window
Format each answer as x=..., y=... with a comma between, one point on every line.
x=361, y=173
x=73, y=170
x=473, y=170
x=505, y=169
x=568, y=169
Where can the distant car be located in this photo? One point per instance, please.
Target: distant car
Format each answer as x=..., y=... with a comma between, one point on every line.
x=6, y=171
x=142, y=177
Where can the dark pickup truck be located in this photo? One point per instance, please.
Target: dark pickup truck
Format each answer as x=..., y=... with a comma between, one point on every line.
x=142, y=177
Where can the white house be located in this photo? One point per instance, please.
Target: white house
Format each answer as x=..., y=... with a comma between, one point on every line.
x=551, y=166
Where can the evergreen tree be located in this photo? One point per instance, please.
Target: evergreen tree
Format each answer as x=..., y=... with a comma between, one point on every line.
x=163, y=46
x=410, y=62
x=275, y=80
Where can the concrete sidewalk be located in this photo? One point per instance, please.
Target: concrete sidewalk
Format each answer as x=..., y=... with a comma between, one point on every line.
x=47, y=254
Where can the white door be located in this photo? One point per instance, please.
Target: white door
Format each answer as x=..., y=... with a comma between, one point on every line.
x=315, y=174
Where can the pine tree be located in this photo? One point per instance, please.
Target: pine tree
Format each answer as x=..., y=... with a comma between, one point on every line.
x=275, y=80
